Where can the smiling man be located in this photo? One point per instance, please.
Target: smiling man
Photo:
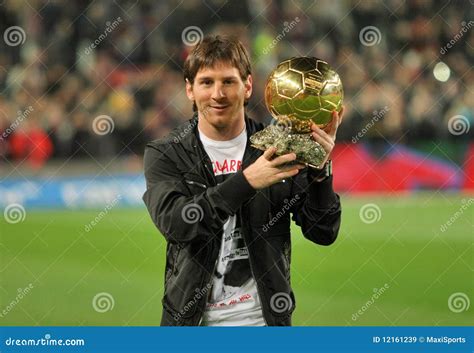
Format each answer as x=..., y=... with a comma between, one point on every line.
x=225, y=207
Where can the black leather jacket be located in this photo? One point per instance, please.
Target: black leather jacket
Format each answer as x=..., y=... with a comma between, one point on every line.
x=189, y=209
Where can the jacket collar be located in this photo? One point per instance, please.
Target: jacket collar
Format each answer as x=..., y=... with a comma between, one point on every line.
x=187, y=134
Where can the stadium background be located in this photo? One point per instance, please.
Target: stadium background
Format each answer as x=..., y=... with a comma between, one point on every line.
x=85, y=84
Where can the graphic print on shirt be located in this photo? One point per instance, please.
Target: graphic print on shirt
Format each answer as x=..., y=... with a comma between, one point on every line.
x=226, y=166
x=233, y=268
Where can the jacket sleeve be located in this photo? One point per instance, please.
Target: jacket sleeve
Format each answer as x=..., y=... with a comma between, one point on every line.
x=182, y=215
x=319, y=211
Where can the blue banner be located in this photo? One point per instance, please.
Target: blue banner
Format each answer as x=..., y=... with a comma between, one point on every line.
x=75, y=192
x=206, y=339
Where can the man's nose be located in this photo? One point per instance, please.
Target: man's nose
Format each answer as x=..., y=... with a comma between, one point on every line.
x=218, y=91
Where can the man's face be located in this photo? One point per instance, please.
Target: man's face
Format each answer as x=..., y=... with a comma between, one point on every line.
x=219, y=94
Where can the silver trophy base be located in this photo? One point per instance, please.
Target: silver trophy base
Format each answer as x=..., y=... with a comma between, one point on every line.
x=306, y=149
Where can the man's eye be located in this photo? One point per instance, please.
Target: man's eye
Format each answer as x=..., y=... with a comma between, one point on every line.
x=228, y=82
x=207, y=82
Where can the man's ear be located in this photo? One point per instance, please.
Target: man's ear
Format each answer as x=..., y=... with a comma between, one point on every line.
x=248, y=87
x=189, y=90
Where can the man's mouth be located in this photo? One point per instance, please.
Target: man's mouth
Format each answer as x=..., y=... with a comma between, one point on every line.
x=219, y=107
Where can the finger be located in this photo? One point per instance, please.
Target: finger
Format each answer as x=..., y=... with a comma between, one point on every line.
x=288, y=174
x=341, y=113
x=337, y=120
x=269, y=153
x=319, y=167
x=286, y=168
x=325, y=143
x=315, y=127
x=322, y=135
x=283, y=159
x=332, y=128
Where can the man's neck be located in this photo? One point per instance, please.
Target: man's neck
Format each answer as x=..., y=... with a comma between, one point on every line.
x=221, y=134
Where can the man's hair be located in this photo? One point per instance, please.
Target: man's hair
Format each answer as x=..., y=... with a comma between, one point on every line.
x=214, y=49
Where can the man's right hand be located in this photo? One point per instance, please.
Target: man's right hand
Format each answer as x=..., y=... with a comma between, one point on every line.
x=266, y=171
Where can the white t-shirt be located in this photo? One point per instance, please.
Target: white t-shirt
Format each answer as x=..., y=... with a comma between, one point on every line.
x=233, y=299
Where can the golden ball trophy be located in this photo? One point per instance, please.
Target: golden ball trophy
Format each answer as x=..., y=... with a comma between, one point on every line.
x=299, y=92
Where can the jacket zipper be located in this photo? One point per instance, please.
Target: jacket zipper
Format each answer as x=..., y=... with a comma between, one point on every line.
x=192, y=182
x=249, y=157
x=259, y=290
x=206, y=165
x=208, y=162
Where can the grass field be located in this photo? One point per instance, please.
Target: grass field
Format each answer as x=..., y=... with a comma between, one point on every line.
x=405, y=252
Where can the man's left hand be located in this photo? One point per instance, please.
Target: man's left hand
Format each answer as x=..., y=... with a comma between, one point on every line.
x=327, y=137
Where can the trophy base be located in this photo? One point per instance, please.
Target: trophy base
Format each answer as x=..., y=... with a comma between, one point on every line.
x=306, y=149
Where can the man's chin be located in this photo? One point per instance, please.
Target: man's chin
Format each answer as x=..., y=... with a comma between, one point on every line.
x=218, y=120
x=221, y=124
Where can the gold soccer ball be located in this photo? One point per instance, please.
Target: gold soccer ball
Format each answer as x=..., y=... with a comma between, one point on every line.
x=301, y=91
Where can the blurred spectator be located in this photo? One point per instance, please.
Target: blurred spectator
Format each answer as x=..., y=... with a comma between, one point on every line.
x=123, y=59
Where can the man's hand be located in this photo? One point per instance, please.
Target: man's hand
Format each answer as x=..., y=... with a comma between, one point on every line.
x=327, y=137
x=266, y=171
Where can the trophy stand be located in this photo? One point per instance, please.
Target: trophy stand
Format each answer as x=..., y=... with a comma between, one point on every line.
x=283, y=137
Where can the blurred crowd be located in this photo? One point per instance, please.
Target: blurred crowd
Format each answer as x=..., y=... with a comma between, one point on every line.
x=72, y=63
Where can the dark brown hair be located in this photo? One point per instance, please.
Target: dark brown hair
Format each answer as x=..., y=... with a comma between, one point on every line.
x=214, y=49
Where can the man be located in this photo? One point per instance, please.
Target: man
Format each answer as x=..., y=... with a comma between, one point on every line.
x=224, y=207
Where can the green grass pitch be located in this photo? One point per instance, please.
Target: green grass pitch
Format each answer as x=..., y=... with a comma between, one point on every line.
x=418, y=266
